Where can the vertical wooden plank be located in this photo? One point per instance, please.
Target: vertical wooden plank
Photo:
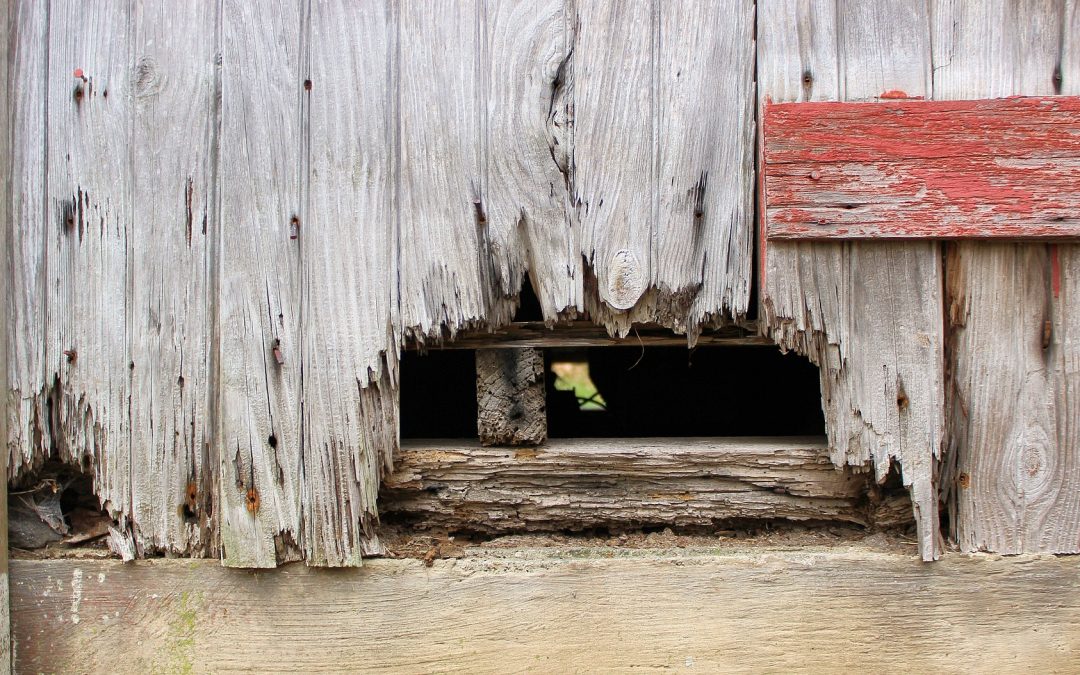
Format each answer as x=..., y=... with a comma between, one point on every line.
x=510, y=396
x=175, y=125
x=1014, y=350
x=527, y=76
x=446, y=277
x=615, y=175
x=6, y=32
x=703, y=245
x=259, y=360
x=88, y=217
x=869, y=314
x=349, y=265
x=25, y=385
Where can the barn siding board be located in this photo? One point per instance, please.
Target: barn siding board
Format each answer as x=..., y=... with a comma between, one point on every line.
x=87, y=239
x=1013, y=347
x=998, y=168
x=527, y=78
x=869, y=314
x=26, y=382
x=348, y=242
x=6, y=23
x=170, y=249
x=663, y=164
x=258, y=395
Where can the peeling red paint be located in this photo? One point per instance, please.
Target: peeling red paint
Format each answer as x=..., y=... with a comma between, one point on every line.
x=909, y=169
x=897, y=94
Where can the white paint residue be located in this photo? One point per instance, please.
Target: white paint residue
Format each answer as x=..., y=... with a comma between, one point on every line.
x=76, y=594
x=101, y=577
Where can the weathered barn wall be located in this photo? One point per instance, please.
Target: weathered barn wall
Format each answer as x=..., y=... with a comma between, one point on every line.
x=227, y=218
x=868, y=313
x=1014, y=324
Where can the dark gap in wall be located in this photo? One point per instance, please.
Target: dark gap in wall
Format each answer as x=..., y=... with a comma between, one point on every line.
x=55, y=506
x=629, y=392
x=670, y=391
x=529, y=305
x=438, y=394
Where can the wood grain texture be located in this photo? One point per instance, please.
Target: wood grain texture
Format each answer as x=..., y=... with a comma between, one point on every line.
x=995, y=168
x=89, y=259
x=1014, y=467
x=868, y=314
x=663, y=170
x=744, y=611
x=175, y=86
x=511, y=399
x=27, y=433
x=579, y=484
x=258, y=396
x=6, y=23
x=226, y=231
x=349, y=264
x=527, y=142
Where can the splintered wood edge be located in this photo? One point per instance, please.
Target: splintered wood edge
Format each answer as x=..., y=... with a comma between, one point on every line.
x=831, y=609
x=587, y=334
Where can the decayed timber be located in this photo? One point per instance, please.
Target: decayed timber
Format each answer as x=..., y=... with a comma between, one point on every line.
x=510, y=397
x=625, y=482
x=1014, y=324
x=258, y=391
x=756, y=611
x=588, y=334
x=209, y=321
x=868, y=313
x=6, y=21
x=998, y=168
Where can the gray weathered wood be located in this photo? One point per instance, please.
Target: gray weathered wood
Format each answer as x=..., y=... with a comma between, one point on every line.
x=89, y=260
x=662, y=154
x=26, y=382
x=869, y=314
x=258, y=393
x=622, y=482
x=348, y=239
x=6, y=22
x=723, y=610
x=510, y=397
x=170, y=260
x=1014, y=329
x=527, y=143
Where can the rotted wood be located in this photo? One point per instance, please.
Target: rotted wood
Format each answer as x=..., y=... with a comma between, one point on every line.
x=575, y=484
x=588, y=334
x=510, y=397
x=994, y=168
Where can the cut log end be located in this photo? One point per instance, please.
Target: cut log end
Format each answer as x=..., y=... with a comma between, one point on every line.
x=510, y=397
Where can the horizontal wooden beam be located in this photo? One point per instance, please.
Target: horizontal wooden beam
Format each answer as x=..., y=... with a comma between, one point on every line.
x=576, y=484
x=588, y=334
x=851, y=609
x=999, y=168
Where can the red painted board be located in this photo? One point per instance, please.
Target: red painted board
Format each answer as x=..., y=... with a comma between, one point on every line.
x=1000, y=168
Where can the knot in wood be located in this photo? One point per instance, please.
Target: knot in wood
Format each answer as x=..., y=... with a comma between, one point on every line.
x=626, y=281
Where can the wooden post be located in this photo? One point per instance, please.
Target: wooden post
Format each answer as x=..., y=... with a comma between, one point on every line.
x=510, y=396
